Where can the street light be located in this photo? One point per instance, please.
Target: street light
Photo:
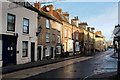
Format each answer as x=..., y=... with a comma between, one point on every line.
x=116, y=32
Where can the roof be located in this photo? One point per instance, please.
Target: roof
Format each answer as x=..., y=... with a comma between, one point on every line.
x=47, y=15
x=41, y=13
x=63, y=18
x=83, y=23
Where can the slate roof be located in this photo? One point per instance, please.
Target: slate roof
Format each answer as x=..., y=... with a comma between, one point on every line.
x=41, y=13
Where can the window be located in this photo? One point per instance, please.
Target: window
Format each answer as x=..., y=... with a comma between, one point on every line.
x=76, y=35
x=69, y=33
x=47, y=23
x=10, y=22
x=73, y=34
x=59, y=27
x=58, y=39
x=58, y=50
x=47, y=37
x=26, y=26
x=65, y=32
x=77, y=46
x=47, y=51
x=24, y=48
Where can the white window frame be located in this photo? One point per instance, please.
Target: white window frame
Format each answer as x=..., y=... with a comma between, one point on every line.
x=47, y=37
x=23, y=47
x=47, y=23
x=59, y=27
x=69, y=33
x=58, y=39
x=76, y=35
x=25, y=26
x=47, y=51
x=77, y=46
x=65, y=32
x=58, y=49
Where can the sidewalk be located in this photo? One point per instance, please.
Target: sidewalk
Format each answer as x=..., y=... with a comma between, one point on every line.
x=114, y=55
x=103, y=76
x=18, y=67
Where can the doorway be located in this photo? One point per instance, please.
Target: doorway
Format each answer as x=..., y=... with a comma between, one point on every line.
x=9, y=50
x=32, y=51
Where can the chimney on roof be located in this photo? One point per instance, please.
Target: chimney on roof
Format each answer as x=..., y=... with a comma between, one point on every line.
x=99, y=32
x=48, y=8
x=59, y=10
x=77, y=17
x=66, y=14
x=37, y=5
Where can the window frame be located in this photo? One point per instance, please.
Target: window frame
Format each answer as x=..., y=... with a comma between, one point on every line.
x=13, y=23
x=46, y=37
x=65, y=32
x=77, y=35
x=58, y=39
x=26, y=49
x=47, y=24
x=25, y=25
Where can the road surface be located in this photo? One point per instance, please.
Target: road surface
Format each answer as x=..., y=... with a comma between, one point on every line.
x=78, y=68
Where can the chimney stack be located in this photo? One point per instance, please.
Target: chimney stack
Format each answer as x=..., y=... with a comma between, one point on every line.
x=99, y=32
x=59, y=10
x=37, y=5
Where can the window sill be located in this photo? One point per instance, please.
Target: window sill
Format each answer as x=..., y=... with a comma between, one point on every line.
x=25, y=34
x=24, y=56
x=10, y=31
x=47, y=28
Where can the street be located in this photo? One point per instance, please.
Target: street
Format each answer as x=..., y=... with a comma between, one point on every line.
x=78, y=68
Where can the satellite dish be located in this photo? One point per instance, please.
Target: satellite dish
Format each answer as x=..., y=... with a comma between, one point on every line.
x=47, y=8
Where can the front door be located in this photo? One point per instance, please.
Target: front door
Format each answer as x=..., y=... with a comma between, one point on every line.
x=9, y=50
x=39, y=53
x=32, y=51
x=52, y=52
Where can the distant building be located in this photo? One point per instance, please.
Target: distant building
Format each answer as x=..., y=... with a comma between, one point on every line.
x=88, y=39
x=100, y=41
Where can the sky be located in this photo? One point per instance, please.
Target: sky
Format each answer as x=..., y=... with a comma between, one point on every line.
x=101, y=15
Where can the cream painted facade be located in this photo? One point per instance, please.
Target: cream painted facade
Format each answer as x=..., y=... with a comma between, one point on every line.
x=100, y=43
x=20, y=13
x=0, y=35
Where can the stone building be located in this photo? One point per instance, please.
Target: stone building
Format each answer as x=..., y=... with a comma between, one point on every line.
x=100, y=41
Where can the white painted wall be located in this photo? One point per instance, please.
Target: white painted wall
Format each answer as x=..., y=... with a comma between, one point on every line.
x=0, y=33
x=21, y=13
x=0, y=17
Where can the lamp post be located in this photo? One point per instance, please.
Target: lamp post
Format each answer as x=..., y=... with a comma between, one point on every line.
x=117, y=38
